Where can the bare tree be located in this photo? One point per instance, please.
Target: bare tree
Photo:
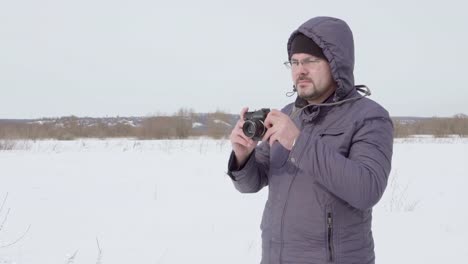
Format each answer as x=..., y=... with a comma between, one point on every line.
x=183, y=123
x=2, y=224
x=460, y=125
x=99, y=258
x=401, y=129
x=71, y=259
x=218, y=124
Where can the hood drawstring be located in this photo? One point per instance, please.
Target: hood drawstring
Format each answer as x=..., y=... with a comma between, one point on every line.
x=291, y=93
x=360, y=88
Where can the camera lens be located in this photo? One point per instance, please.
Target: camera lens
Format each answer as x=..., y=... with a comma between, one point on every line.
x=254, y=129
x=249, y=128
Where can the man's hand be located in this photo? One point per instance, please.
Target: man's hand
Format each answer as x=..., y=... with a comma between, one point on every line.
x=241, y=144
x=280, y=128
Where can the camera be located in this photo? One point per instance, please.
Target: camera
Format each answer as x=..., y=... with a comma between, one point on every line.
x=253, y=126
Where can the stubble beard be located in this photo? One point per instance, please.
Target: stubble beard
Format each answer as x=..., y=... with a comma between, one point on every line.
x=309, y=93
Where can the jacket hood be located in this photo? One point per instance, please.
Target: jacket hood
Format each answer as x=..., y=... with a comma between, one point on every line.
x=336, y=40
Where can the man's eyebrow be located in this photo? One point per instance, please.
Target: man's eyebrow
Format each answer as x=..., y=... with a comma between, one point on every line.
x=306, y=58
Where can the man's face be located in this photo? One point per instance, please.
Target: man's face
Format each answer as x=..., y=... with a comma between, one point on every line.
x=312, y=77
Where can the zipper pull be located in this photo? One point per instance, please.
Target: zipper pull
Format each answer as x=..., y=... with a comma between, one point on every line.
x=330, y=236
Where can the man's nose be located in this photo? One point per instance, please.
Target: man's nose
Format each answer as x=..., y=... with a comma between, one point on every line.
x=301, y=69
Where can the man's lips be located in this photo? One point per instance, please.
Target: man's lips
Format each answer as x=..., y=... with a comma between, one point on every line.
x=303, y=81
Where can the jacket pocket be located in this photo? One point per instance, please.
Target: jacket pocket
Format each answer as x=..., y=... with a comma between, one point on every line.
x=330, y=255
x=336, y=138
x=331, y=132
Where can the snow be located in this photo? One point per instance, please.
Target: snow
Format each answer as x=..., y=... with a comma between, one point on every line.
x=197, y=124
x=128, y=122
x=169, y=201
x=217, y=121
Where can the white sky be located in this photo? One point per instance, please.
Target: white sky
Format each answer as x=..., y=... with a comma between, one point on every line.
x=141, y=57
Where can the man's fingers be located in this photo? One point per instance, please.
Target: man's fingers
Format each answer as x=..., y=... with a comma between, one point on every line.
x=273, y=138
x=270, y=120
x=247, y=139
x=242, y=113
x=239, y=139
x=239, y=132
x=275, y=112
x=268, y=134
x=240, y=123
x=239, y=129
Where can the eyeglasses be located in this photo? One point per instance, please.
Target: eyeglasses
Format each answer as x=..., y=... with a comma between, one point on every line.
x=307, y=62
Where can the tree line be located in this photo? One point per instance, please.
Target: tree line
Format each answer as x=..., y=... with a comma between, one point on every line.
x=181, y=125
x=435, y=126
x=188, y=124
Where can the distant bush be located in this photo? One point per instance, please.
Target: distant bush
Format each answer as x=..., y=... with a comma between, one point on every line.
x=218, y=125
x=436, y=126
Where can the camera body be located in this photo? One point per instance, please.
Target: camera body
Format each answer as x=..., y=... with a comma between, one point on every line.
x=253, y=126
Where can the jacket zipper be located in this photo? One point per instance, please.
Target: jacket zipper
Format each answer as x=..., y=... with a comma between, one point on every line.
x=287, y=200
x=330, y=236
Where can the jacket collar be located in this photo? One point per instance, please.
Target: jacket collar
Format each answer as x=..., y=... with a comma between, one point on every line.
x=310, y=113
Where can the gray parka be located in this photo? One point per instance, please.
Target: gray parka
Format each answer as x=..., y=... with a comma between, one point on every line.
x=321, y=193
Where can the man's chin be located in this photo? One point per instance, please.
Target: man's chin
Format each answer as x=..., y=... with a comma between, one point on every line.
x=306, y=96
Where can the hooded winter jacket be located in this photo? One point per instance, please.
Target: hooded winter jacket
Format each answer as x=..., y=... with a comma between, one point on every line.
x=321, y=193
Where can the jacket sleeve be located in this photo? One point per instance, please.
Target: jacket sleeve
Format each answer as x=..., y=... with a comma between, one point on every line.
x=253, y=176
x=359, y=179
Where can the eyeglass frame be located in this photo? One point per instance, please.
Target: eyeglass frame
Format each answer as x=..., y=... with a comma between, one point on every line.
x=307, y=62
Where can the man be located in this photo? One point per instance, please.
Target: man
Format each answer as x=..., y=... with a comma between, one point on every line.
x=325, y=158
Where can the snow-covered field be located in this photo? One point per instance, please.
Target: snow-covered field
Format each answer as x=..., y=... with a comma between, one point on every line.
x=171, y=202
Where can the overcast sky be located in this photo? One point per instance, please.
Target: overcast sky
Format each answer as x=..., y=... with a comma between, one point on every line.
x=142, y=57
